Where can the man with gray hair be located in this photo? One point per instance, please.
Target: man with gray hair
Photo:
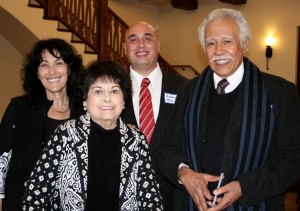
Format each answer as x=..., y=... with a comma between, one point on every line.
x=235, y=121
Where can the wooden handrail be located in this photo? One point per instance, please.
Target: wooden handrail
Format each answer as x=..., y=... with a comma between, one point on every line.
x=183, y=67
x=82, y=17
x=96, y=25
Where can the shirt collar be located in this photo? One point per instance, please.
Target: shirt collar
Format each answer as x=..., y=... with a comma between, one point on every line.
x=137, y=78
x=234, y=80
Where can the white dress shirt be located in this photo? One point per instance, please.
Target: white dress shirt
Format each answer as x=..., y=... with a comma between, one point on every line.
x=234, y=80
x=155, y=85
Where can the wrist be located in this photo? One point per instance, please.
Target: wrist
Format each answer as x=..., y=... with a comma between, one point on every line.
x=181, y=172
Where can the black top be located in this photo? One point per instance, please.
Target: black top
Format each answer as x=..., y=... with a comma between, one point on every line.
x=217, y=121
x=104, y=148
x=266, y=183
x=23, y=129
x=51, y=125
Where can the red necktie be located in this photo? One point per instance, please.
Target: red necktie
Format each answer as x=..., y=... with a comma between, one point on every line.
x=146, y=110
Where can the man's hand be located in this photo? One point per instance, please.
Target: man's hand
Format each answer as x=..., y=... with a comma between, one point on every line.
x=232, y=192
x=196, y=184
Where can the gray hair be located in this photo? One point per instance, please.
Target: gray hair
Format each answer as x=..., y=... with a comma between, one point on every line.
x=223, y=13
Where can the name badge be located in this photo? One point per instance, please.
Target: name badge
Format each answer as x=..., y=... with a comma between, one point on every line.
x=170, y=98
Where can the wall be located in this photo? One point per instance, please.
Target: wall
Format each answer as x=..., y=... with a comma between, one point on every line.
x=177, y=30
x=32, y=18
x=131, y=11
x=264, y=17
x=179, y=38
x=16, y=40
x=10, y=83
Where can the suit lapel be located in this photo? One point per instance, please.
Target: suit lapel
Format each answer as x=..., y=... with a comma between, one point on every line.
x=169, y=85
x=164, y=108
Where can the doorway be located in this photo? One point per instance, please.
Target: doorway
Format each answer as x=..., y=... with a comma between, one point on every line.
x=298, y=62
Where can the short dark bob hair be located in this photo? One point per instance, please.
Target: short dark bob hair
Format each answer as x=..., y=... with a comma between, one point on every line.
x=106, y=70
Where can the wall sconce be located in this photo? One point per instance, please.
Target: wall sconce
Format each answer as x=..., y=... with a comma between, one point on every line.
x=269, y=41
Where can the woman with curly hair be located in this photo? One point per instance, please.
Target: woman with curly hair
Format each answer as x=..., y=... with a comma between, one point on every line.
x=49, y=75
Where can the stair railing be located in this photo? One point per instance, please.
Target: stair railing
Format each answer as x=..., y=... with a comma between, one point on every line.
x=95, y=24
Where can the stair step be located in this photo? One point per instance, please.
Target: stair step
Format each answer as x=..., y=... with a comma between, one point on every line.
x=34, y=3
x=76, y=39
x=89, y=50
x=61, y=27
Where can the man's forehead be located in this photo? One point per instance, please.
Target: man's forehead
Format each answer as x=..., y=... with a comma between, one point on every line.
x=140, y=29
x=136, y=34
x=220, y=36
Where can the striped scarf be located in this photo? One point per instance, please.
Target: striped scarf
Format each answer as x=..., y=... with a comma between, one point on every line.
x=256, y=128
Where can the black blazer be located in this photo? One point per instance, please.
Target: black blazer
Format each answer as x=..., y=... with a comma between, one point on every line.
x=22, y=130
x=267, y=183
x=170, y=84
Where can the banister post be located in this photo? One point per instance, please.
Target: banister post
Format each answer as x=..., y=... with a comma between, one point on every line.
x=103, y=29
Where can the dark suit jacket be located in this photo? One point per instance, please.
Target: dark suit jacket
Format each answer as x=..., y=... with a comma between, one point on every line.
x=170, y=84
x=267, y=183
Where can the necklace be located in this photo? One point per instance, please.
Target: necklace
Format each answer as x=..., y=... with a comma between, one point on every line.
x=61, y=112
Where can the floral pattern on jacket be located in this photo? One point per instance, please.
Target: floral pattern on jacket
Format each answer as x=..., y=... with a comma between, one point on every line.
x=59, y=179
x=4, y=166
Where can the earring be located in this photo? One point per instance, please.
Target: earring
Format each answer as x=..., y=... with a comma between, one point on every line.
x=123, y=107
x=84, y=108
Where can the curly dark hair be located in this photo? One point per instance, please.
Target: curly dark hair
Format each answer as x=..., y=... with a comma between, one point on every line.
x=32, y=85
x=105, y=70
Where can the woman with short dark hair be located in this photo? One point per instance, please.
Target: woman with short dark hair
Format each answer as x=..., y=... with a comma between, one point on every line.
x=96, y=162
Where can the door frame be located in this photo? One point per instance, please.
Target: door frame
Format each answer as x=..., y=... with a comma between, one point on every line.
x=298, y=62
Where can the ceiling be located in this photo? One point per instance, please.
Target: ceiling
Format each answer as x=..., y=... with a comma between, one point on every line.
x=187, y=4
x=180, y=4
x=155, y=2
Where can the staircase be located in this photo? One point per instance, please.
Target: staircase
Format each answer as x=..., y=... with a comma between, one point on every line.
x=95, y=25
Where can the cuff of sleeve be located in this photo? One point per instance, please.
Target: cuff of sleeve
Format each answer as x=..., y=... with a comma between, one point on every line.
x=181, y=165
x=2, y=196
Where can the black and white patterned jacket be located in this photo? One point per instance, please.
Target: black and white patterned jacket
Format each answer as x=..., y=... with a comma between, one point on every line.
x=59, y=179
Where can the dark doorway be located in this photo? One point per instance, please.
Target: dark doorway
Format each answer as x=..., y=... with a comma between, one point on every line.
x=298, y=62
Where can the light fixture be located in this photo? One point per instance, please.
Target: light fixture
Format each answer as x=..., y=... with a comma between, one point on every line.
x=269, y=41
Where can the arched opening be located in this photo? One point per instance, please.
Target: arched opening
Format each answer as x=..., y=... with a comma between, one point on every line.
x=15, y=32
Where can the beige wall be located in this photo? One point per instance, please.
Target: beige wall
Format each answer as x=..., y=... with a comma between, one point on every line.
x=179, y=38
x=131, y=11
x=177, y=30
x=264, y=16
x=10, y=83
x=15, y=43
